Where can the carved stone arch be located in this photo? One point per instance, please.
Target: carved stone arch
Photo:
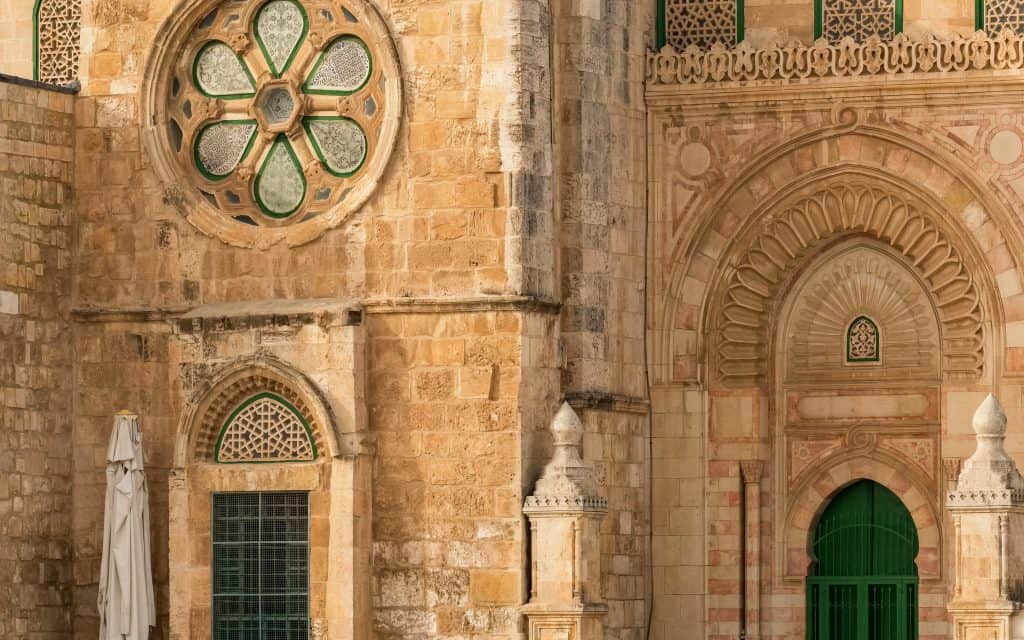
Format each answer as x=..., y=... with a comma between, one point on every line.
x=203, y=418
x=978, y=222
x=768, y=252
x=809, y=499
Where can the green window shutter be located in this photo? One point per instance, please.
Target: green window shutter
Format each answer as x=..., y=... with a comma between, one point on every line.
x=261, y=566
x=863, y=583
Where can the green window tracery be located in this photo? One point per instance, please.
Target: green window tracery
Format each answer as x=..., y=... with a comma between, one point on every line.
x=265, y=428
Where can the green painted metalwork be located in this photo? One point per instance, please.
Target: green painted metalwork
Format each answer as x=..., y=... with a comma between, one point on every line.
x=863, y=582
x=260, y=566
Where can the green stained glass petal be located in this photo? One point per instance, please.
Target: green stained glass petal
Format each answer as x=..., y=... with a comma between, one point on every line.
x=280, y=186
x=340, y=143
x=343, y=68
x=223, y=145
x=280, y=28
x=219, y=72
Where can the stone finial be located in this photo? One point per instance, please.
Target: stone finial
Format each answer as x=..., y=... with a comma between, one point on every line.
x=990, y=419
x=989, y=476
x=567, y=482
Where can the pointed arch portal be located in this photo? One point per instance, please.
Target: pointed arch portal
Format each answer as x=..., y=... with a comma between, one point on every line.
x=863, y=582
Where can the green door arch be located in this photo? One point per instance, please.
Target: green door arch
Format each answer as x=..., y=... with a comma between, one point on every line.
x=863, y=579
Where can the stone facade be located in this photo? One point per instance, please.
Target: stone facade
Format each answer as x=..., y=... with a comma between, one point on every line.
x=36, y=374
x=750, y=275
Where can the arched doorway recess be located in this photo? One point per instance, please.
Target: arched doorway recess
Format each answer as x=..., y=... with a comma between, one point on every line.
x=863, y=582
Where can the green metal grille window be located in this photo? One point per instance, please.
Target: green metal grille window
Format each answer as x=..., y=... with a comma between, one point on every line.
x=863, y=584
x=261, y=566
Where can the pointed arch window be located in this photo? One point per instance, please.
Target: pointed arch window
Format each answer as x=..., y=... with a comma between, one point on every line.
x=857, y=19
x=55, y=52
x=702, y=23
x=863, y=341
x=265, y=428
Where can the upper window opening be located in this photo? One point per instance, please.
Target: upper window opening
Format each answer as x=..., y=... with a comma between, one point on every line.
x=857, y=19
x=701, y=23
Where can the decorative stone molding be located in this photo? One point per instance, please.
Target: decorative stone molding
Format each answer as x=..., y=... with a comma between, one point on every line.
x=773, y=251
x=271, y=128
x=798, y=61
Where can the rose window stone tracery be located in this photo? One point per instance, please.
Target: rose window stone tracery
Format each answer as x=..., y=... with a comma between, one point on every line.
x=280, y=114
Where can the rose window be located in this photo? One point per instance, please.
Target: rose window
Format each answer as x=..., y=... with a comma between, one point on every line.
x=280, y=114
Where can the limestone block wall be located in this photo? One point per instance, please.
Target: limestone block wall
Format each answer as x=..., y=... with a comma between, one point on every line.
x=119, y=365
x=448, y=535
x=36, y=154
x=16, y=37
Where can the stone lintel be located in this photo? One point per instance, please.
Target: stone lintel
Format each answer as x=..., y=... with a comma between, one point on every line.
x=235, y=316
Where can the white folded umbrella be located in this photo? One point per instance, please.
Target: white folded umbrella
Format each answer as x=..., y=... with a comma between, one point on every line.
x=125, y=599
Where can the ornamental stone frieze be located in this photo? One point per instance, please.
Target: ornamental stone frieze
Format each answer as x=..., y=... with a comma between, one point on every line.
x=847, y=58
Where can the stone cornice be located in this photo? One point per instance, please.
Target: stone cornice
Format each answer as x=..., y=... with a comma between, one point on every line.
x=461, y=305
x=800, y=68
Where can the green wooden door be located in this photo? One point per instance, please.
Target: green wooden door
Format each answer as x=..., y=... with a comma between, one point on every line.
x=863, y=582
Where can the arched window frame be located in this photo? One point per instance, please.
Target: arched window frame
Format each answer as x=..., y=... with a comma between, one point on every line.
x=849, y=334
x=819, y=17
x=662, y=22
x=247, y=403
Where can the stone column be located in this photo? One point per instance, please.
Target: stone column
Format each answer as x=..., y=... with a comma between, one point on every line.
x=565, y=513
x=180, y=584
x=988, y=520
x=752, y=471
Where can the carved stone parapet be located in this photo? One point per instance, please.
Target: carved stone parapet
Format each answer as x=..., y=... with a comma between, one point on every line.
x=796, y=60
